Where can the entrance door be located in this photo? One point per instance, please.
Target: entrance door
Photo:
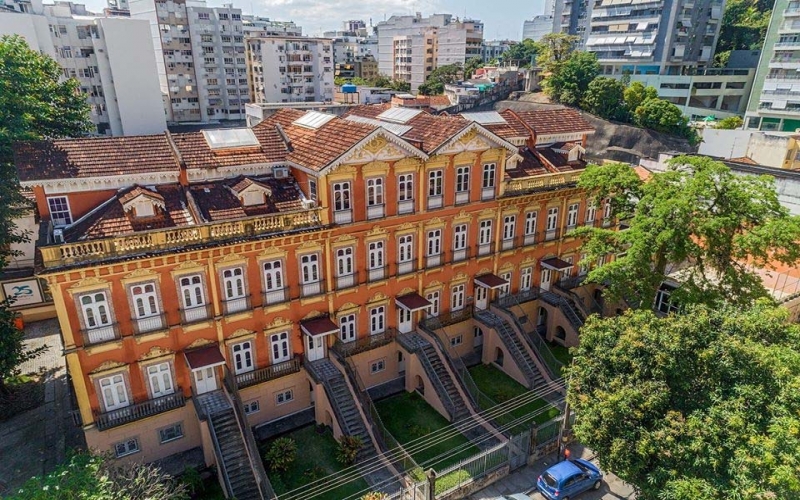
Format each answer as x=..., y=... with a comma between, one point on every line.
x=404, y=323
x=545, y=280
x=315, y=347
x=205, y=380
x=481, y=297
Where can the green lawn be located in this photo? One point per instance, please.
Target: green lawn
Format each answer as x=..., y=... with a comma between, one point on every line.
x=500, y=387
x=560, y=352
x=316, y=458
x=408, y=417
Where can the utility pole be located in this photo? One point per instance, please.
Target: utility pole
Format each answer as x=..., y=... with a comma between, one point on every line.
x=562, y=431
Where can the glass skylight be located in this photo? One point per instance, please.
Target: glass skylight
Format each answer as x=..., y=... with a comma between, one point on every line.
x=230, y=138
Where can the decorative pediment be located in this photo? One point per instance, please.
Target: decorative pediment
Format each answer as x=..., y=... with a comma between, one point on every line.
x=463, y=216
x=434, y=284
x=484, y=270
x=465, y=158
x=241, y=332
x=436, y=221
x=142, y=202
x=486, y=213
x=377, y=231
x=407, y=163
x=529, y=259
x=309, y=245
x=507, y=265
x=348, y=306
x=378, y=297
x=251, y=193
x=459, y=277
x=141, y=273
x=108, y=366
x=230, y=257
x=88, y=283
x=380, y=145
x=406, y=226
x=272, y=252
x=188, y=264
x=345, y=238
x=406, y=291
x=474, y=138
x=155, y=352
x=278, y=322
x=313, y=314
x=198, y=343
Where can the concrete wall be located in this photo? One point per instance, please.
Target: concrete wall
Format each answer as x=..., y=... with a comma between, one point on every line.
x=265, y=394
x=414, y=370
x=34, y=29
x=389, y=355
x=491, y=344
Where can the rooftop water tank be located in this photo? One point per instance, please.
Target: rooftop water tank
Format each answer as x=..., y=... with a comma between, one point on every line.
x=349, y=88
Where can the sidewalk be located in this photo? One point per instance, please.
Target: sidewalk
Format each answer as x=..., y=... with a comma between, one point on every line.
x=524, y=481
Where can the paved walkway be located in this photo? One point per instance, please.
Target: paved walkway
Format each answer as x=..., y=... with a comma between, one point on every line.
x=524, y=481
x=34, y=442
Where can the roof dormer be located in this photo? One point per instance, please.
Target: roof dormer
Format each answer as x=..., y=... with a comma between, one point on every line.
x=251, y=193
x=141, y=202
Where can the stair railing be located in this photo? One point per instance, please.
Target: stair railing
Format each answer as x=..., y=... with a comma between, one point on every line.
x=540, y=348
x=222, y=470
x=434, y=377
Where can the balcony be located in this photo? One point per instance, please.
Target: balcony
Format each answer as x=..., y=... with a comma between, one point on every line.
x=551, y=234
x=169, y=238
x=139, y=411
x=377, y=274
x=236, y=305
x=434, y=260
x=539, y=183
x=195, y=314
x=346, y=281
x=460, y=254
x=487, y=193
x=507, y=244
x=277, y=296
x=406, y=267
x=268, y=373
x=100, y=334
x=365, y=344
x=485, y=249
x=435, y=202
x=149, y=324
x=447, y=319
x=462, y=197
x=342, y=216
x=312, y=288
x=529, y=239
x=375, y=211
x=405, y=207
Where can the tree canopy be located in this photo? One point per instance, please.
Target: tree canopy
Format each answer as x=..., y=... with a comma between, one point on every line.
x=744, y=27
x=448, y=73
x=730, y=123
x=378, y=81
x=521, y=53
x=698, y=214
x=553, y=50
x=604, y=98
x=569, y=80
x=637, y=94
x=663, y=116
x=702, y=405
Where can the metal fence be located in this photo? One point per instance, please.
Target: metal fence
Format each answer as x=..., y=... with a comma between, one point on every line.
x=470, y=469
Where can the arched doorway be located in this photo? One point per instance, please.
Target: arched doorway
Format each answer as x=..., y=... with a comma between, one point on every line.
x=541, y=321
x=419, y=385
x=561, y=334
x=498, y=356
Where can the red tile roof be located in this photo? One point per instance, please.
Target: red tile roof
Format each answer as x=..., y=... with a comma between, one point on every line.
x=559, y=161
x=92, y=157
x=133, y=193
x=216, y=202
x=555, y=121
x=196, y=153
x=530, y=165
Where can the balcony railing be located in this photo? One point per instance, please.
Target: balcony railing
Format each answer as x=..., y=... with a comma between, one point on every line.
x=462, y=197
x=169, y=238
x=435, y=202
x=343, y=216
x=434, y=260
x=196, y=314
x=507, y=244
x=236, y=305
x=377, y=273
x=346, y=281
x=138, y=411
x=540, y=183
x=272, y=297
x=267, y=373
x=149, y=324
x=312, y=288
x=460, y=254
x=375, y=211
x=406, y=267
x=485, y=249
x=365, y=344
x=487, y=193
x=529, y=239
x=100, y=334
x=405, y=207
x=552, y=234
x=447, y=318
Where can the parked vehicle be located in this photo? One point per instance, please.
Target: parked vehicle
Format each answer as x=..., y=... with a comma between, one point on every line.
x=566, y=479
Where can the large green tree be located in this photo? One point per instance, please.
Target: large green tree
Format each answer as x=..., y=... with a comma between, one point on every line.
x=570, y=80
x=34, y=104
x=702, y=405
x=521, y=54
x=434, y=84
x=744, y=27
x=553, y=50
x=604, y=98
x=697, y=215
x=636, y=94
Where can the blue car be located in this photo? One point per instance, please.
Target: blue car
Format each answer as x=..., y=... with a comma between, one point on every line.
x=566, y=479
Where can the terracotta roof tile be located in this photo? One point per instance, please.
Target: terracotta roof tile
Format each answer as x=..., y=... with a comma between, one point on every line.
x=555, y=121
x=440, y=101
x=529, y=166
x=217, y=202
x=196, y=153
x=138, y=190
x=559, y=161
x=91, y=157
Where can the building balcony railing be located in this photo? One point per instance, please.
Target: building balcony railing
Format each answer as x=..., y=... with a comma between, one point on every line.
x=508, y=244
x=435, y=202
x=365, y=344
x=435, y=260
x=377, y=273
x=169, y=238
x=529, y=239
x=570, y=282
x=272, y=297
x=376, y=211
x=485, y=249
x=552, y=234
x=138, y=411
x=462, y=197
x=268, y=373
x=236, y=305
x=312, y=288
x=196, y=314
x=487, y=193
x=346, y=281
x=461, y=254
x=406, y=267
x=149, y=324
x=100, y=334
x=342, y=216
x=405, y=207
x=447, y=318
x=540, y=183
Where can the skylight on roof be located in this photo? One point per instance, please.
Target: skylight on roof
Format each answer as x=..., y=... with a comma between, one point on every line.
x=314, y=119
x=230, y=138
x=399, y=115
x=395, y=128
x=485, y=117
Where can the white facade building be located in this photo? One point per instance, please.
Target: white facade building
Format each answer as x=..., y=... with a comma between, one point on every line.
x=349, y=49
x=534, y=29
x=111, y=57
x=290, y=69
x=200, y=53
x=263, y=26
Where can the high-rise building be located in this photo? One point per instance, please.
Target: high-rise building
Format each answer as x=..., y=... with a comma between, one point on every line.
x=200, y=53
x=411, y=47
x=349, y=49
x=111, y=57
x=290, y=69
x=775, y=100
x=494, y=49
x=662, y=37
x=263, y=26
x=534, y=29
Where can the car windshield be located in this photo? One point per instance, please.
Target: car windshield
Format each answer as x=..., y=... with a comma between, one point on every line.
x=549, y=480
x=580, y=466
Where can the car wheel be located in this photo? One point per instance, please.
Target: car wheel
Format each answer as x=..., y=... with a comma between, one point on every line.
x=597, y=485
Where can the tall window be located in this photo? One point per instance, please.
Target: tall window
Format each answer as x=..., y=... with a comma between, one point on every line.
x=347, y=327
x=552, y=219
x=344, y=261
x=375, y=191
x=460, y=237
x=114, y=392
x=95, y=310
x=462, y=179
x=525, y=279
x=242, y=357
x=583, y=266
x=405, y=187
x=376, y=255
x=273, y=275
x=233, y=283
x=435, y=242
x=530, y=227
x=280, y=347
x=405, y=248
x=489, y=172
x=59, y=210
x=435, y=182
x=509, y=227
x=606, y=209
x=309, y=268
x=341, y=196
x=457, y=298
x=485, y=232
x=192, y=291
x=312, y=189
x=433, y=298
x=145, y=301
x=591, y=211
x=160, y=378
x=505, y=289
x=377, y=320
x=572, y=215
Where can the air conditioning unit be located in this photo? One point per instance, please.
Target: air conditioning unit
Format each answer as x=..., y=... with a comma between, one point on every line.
x=309, y=204
x=58, y=236
x=280, y=172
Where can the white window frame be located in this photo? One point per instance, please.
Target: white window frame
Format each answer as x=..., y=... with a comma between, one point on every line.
x=434, y=298
x=279, y=347
x=131, y=446
x=114, y=392
x=572, y=215
x=160, y=380
x=405, y=187
x=310, y=269
x=531, y=219
x=591, y=212
x=377, y=320
x=145, y=302
x=458, y=297
x=347, y=327
x=177, y=428
x=505, y=289
x=96, y=310
x=243, y=357
x=375, y=191
x=284, y=396
x=60, y=221
x=489, y=175
x=192, y=291
x=525, y=279
x=252, y=406
x=456, y=341
x=509, y=231
x=377, y=366
x=233, y=283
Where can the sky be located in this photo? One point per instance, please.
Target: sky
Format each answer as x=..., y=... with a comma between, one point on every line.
x=502, y=19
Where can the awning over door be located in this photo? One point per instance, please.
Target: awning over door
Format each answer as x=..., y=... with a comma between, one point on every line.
x=556, y=264
x=412, y=302
x=204, y=357
x=490, y=281
x=318, y=326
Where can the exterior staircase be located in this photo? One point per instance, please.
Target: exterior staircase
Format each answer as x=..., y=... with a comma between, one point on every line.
x=567, y=306
x=351, y=421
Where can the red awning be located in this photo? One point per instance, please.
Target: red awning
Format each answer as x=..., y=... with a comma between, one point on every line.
x=490, y=280
x=412, y=302
x=319, y=326
x=204, y=357
x=556, y=264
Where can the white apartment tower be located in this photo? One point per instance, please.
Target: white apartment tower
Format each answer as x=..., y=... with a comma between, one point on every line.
x=200, y=53
x=254, y=26
x=290, y=69
x=111, y=57
x=410, y=47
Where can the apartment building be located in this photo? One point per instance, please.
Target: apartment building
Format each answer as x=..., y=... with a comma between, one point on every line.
x=349, y=49
x=534, y=29
x=494, y=49
x=644, y=37
x=775, y=101
x=257, y=26
x=411, y=47
x=290, y=69
x=225, y=279
x=200, y=53
x=111, y=57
